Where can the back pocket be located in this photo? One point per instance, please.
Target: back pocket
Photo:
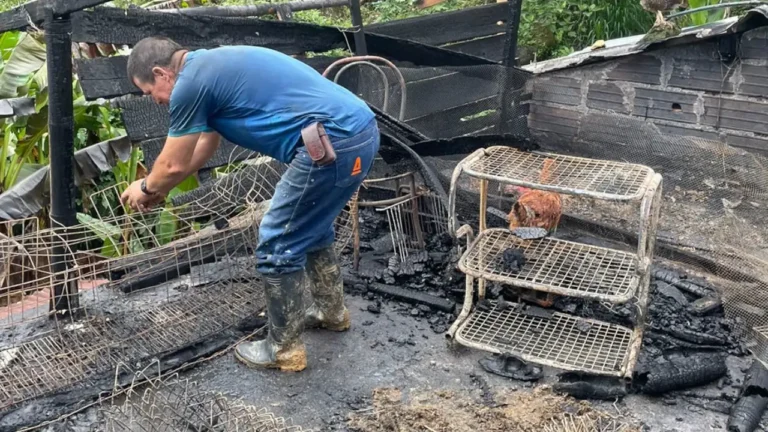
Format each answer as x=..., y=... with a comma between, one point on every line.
x=352, y=164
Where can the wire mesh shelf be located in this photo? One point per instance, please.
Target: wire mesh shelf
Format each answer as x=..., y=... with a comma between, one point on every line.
x=558, y=173
x=554, y=265
x=559, y=340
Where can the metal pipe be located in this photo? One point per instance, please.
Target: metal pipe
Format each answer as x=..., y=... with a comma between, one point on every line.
x=58, y=45
x=715, y=6
x=361, y=48
x=355, y=59
x=259, y=9
x=381, y=72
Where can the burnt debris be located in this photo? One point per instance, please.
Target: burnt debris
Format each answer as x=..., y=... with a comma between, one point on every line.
x=585, y=386
x=509, y=366
x=748, y=410
x=514, y=259
x=679, y=370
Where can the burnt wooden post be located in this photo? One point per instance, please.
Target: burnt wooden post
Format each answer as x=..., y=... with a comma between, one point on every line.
x=58, y=44
x=357, y=24
x=509, y=61
x=510, y=38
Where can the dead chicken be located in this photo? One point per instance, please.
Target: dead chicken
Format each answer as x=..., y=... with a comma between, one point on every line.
x=535, y=208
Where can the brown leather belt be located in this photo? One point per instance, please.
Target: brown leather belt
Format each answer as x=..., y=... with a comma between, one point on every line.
x=318, y=144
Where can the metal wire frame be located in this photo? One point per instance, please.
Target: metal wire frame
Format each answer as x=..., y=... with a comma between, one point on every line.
x=649, y=216
x=408, y=234
x=168, y=240
x=556, y=266
x=402, y=192
x=24, y=268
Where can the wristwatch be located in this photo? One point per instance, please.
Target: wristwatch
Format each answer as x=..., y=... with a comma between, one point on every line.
x=144, y=187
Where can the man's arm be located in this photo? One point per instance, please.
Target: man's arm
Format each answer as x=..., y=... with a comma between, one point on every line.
x=207, y=145
x=172, y=165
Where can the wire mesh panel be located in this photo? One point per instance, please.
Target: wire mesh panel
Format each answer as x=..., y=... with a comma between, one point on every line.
x=554, y=265
x=85, y=350
x=559, y=340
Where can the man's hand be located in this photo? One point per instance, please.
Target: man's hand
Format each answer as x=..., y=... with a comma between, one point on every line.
x=138, y=200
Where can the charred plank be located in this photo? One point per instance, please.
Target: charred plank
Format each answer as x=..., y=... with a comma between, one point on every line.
x=34, y=12
x=405, y=295
x=121, y=27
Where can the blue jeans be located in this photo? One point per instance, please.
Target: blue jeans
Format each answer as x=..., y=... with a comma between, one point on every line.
x=307, y=200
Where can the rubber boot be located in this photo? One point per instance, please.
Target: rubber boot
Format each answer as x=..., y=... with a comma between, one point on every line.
x=282, y=348
x=327, y=310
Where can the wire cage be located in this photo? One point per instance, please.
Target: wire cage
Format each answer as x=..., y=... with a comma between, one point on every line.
x=554, y=265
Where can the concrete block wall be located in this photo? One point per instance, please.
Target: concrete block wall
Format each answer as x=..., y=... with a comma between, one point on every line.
x=715, y=90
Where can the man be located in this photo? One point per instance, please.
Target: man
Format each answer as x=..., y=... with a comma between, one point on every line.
x=271, y=103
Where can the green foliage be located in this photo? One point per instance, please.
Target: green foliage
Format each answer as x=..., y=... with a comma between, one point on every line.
x=25, y=140
x=556, y=27
x=703, y=17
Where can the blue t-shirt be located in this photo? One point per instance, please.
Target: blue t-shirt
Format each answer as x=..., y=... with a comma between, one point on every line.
x=260, y=99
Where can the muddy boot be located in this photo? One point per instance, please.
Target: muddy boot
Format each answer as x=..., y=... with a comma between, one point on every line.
x=327, y=310
x=282, y=349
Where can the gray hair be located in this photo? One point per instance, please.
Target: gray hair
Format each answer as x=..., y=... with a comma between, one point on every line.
x=148, y=53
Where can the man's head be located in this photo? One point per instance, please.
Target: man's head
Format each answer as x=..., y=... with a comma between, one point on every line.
x=152, y=69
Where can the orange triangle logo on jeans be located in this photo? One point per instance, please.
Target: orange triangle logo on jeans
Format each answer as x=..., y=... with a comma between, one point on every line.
x=357, y=169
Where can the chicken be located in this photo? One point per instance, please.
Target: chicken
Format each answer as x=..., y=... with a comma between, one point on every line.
x=662, y=29
x=539, y=209
x=535, y=208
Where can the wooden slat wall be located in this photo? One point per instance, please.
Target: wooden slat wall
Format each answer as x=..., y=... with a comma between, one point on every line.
x=476, y=31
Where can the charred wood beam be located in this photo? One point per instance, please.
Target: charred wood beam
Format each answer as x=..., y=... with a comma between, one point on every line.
x=513, y=24
x=417, y=53
x=357, y=28
x=61, y=125
x=17, y=107
x=401, y=294
x=127, y=27
x=35, y=12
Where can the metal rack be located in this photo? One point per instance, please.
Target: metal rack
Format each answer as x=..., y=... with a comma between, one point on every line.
x=556, y=266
